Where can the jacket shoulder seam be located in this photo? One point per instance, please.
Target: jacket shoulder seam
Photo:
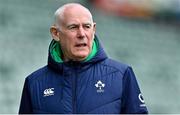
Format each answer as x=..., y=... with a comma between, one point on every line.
x=116, y=68
x=33, y=77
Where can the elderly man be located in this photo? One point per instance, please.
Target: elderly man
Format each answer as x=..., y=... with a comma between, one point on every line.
x=79, y=77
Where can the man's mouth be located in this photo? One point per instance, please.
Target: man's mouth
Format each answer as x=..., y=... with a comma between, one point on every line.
x=81, y=45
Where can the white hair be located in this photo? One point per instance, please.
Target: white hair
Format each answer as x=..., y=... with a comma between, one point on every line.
x=58, y=15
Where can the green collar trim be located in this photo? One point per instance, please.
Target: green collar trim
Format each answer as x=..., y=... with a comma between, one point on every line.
x=93, y=52
x=56, y=52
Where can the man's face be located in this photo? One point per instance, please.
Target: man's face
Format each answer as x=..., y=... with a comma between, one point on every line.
x=76, y=34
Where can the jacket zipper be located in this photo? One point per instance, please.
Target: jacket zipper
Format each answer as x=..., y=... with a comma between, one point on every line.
x=74, y=97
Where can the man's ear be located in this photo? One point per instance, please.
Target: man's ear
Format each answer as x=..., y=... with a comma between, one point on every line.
x=54, y=33
x=94, y=27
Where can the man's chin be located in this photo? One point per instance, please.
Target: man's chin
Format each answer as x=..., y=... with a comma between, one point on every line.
x=81, y=57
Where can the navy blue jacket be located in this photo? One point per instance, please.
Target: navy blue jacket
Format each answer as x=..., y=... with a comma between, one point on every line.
x=100, y=85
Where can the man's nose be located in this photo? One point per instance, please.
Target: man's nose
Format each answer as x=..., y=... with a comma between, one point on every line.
x=81, y=33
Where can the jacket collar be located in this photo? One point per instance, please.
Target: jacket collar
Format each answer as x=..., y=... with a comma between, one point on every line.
x=65, y=66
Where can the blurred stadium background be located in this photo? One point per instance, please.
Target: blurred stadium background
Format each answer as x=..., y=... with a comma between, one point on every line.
x=142, y=33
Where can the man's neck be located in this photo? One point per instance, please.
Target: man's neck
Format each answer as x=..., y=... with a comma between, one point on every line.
x=66, y=59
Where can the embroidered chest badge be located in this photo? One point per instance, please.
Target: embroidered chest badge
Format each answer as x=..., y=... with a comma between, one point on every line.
x=100, y=86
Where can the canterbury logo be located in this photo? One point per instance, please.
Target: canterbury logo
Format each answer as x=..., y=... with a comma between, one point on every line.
x=48, y=92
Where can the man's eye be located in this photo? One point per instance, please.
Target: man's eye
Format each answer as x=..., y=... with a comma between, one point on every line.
x=87, y=26
x=72, y=27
